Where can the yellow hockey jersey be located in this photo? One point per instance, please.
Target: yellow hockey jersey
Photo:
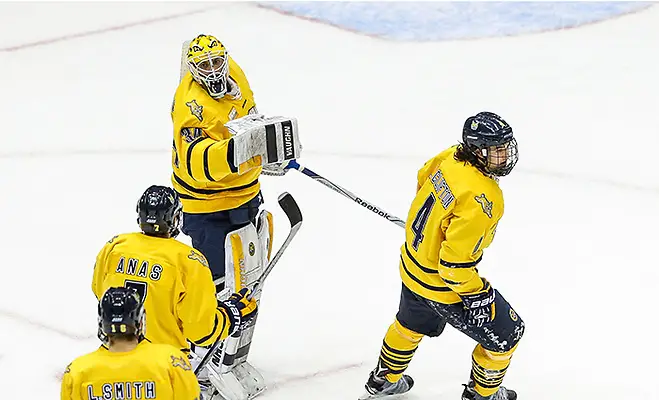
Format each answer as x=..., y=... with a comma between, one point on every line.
x=150, y=371
x=175, y=283
x=452, y=219
x=202, y=175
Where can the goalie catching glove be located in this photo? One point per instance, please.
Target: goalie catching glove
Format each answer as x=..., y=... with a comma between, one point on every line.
x=274, y=140
x=239, y=308
x=479, y=306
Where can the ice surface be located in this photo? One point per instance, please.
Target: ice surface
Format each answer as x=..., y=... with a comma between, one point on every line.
x=86, y=128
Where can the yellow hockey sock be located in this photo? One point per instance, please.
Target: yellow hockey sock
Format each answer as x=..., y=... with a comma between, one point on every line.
x=398, y=348
x=488, y=369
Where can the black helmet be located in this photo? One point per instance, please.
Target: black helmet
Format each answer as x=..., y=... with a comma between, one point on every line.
x=159, y=211
x=121, y=313
x=486, y=133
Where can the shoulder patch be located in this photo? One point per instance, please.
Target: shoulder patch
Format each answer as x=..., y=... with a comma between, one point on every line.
x=181, y=363
x=196, y=109
x=112, y=240
x=68, y=368
x=191, y=134
x=486, y=205
x=198, y=257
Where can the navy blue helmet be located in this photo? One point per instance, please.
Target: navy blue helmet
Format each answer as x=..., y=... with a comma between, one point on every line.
x=159, y=211
x=489, y=138
x=121, y=313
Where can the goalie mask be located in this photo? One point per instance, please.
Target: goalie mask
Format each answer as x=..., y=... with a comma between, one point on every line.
x=208, y=62
x=489, y=144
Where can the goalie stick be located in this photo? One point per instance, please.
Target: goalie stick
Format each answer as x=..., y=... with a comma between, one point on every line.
x=293, y=164
x=292, y=211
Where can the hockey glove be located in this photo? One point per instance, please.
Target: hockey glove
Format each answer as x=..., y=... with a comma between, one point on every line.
x=479, y=307
x=239, y=308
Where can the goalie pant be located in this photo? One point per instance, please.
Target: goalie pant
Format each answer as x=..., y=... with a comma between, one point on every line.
x=209, y=231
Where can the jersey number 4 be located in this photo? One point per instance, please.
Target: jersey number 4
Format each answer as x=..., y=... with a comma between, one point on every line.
x=139, y=286
x=421, y=220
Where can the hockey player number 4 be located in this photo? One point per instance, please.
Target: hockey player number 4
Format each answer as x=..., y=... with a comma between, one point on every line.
x=139, y=286
x=421, y=219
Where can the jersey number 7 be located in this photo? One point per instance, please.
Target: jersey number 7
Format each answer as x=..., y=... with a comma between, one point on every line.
x=139, y=286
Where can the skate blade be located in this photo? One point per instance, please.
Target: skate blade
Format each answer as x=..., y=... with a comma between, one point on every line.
x=368, y=396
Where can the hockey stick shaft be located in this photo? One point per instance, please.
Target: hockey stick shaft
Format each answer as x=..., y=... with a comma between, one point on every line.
x=287, y=203
x=293, y=164
x=290, y=207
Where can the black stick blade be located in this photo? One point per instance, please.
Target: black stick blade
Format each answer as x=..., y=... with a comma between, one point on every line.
x=290, y=207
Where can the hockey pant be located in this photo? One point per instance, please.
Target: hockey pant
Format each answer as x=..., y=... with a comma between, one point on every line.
x=209, y=231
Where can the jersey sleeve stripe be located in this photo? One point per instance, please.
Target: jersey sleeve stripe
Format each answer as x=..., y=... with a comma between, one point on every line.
x=210, y=335
x=188, y=161
x=469, y=264
x=454, y=283
x=207, y=171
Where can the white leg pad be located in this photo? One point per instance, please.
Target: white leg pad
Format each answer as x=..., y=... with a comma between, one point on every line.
x=248, y=251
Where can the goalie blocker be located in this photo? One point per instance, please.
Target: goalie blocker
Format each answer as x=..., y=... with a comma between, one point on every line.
x=274, y=139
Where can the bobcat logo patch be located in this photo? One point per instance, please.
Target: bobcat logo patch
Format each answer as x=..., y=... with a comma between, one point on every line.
x=196, y=109
x=513, y=315
x=181, y=363
x=198, y=257
x=252, y=248
x=486, y=205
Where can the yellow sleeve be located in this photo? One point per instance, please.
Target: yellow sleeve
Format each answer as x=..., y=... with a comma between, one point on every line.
x=184, y=381
x=100, y=268
x=203, y=322
x=66, y=391
x=461, y=251
x=208, y=160
x=205, y=159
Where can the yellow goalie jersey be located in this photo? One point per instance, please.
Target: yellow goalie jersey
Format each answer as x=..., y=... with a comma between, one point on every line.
x=451, y=220
x=175, y=282
x=150, y=371
x=203, y=176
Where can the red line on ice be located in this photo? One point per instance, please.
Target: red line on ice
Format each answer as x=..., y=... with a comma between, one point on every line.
x=26, y=321
x=78, y=35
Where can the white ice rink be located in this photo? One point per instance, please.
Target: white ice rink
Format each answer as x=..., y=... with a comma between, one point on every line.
x=85, y=128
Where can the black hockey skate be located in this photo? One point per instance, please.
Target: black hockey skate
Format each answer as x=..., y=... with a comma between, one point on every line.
x=378, y=386
x=502, y=394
